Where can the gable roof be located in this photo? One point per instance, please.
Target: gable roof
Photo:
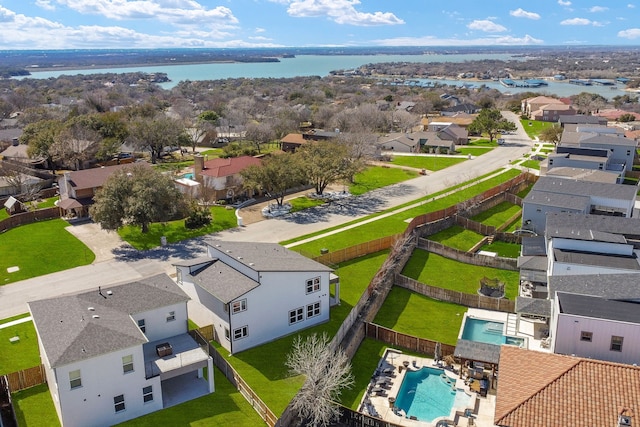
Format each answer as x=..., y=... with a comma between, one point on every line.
x=222, y=281
x=294, y=138
x=598, y=308
x=94, y=178
x=267, y=256
x=400, y=138
x=544, y=389
x=218, y=168
x=593, y=189
x=70, y=332
x=622, y=286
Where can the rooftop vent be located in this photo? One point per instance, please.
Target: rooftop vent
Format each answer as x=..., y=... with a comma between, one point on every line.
x=228, y=251
x=95, y=316
x=91, y=309
x=109, y=292
x=251, y=264
x=239, y=257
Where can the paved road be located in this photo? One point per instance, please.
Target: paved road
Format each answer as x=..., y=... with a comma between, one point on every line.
x=127, y=263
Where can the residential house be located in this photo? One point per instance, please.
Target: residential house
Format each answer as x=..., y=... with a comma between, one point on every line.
x=118, y=352
x=398, y=143
x=529, y=106
x=449, y=131
x=581, y=119
x=258, y=292
x=542, y=389
x=552, y=112
x=77, y=188
x=415, y=142
x=582, y=174
x=220, y=178
x=550, y=194
x=292, y=141
x=465, y=108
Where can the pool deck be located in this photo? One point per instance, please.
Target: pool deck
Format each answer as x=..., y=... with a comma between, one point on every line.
x=483, y=407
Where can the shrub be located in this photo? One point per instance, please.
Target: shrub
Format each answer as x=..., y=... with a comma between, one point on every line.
x=198, y=217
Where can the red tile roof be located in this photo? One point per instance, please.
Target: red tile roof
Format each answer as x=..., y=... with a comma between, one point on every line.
x=549, y=390
x=218, y=168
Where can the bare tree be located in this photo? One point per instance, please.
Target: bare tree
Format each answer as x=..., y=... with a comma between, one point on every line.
x=259, y=133
x=327, y=372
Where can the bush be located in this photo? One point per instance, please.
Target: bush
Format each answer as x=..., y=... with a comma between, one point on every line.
x=198, y=217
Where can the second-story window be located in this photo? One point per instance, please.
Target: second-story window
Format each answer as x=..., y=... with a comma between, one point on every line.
x=238, y=306
x=313, y=285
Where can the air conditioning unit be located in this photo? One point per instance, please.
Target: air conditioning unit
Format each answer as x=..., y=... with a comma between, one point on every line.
x=624, y=421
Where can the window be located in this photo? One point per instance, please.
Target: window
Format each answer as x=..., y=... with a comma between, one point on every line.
x=296, y=315
x=240, y=333
x=616, y=343
x=313, y=309
x=313, y=285
x=74, y=379
x=118, y=403
x=238, y=306
x=226, y=334
x=628, y=152
x=171, y=316
x=127, y=364
x=586, y=336
x=142, y=326
x=147, y=394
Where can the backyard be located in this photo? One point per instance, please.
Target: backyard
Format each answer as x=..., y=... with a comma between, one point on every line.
x=28, y=248
x=19, y=354
x=534, y=127
x=457, y=237
x=455, y=275
x=498, y=215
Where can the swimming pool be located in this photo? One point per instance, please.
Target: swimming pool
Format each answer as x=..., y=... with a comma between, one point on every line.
x=428, y=394
x=488, y=331
x=188, y=175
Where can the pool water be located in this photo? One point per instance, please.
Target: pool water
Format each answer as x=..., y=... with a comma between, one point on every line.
x=188, y=176
x=488, y=331
x=428, y=394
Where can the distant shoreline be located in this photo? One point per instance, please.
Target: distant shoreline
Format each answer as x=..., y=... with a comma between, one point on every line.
x=129, y=65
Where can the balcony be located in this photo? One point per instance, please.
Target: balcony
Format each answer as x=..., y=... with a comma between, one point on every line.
x=174, y=356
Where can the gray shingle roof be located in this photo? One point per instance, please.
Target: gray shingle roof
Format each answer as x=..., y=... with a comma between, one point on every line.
x=533, y=306
x=610, y=286
x=628, y=227
x=596, y=189
x=537, y=263
x=582, y=233
x=479, y=351
x=599, y=308
x=595, y=259
x=223, y=282
x=267, y=256
x=69, y=332
x=546, y=198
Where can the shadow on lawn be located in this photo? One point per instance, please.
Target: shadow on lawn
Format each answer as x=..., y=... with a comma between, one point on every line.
x=186, y=249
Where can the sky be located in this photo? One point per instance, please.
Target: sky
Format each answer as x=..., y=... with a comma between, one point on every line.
x=121, y=24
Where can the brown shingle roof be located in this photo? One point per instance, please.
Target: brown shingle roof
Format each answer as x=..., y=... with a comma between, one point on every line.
x=94, y=178
x=294, y=138
x=550, y=390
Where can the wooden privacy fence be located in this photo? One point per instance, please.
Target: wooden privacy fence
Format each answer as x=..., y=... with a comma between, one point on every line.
x=28, y=218
x=410, y=342
x=200, y=335
x=352, y=252
x=468, y=300
x=26, y=378
x=503, y=263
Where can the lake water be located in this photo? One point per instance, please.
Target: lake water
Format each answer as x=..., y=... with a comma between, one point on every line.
x=322, y=65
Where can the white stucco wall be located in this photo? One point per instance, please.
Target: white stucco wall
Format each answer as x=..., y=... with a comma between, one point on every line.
x=156, y=323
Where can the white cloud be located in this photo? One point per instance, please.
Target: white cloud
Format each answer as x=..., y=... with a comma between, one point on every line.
x=521, y=13
x=631, y=33
x=631, y=6
x=596, y=9
x=260, y=30
x=341, y=12
x=435, y=41
x=45, y=4
x=564, y=3
x=486, y=25
x=576, y=21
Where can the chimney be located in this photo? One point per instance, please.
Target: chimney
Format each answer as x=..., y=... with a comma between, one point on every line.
x=67, y=176
x=198, y=167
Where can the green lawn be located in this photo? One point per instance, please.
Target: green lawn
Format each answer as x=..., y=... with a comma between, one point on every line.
x=171, y=166
x=479, y=151
x=36, y=249
x=433, y=163
x=34, y=407
x=531, y=164
x=213, y=152
x=395, y=224
x=535, y=128
x=3, y=214
x=442, y=272
x=503, y=249
x=175, y=231
x=457, y=237
x=22, y=354
x=483, y=142
x=514, y=226
x=225, y=407
x=377, y=177
x=497, y=215
x=414, y=314
x=263, y=367
x=301, y=203
x=523, y=193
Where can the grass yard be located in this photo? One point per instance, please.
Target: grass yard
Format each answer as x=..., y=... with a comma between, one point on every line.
x=457, y=237
x=395, y=224
x=213, y=152
x=414, y=314
x=458, y=276
x=175, y=231
x=225, y=407
x=531, y=164
x=34, y=407
x=483, y=142
x=498, y=215
x=377, y=177
x=302, y=203
x=173, y=165
x=514, y=226
x=433, y=163
x=474, y=151
x=503, y=249
x=22, y=354
x=263, y=367
x=536, y=127
x=523, y=193
x=36, y=248
x=3, y=214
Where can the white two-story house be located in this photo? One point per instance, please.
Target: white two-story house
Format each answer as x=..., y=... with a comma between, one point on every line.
x=118, y=352
x=258, y=292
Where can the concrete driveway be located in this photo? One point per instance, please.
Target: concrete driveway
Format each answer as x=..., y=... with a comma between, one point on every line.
x=102, y=243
